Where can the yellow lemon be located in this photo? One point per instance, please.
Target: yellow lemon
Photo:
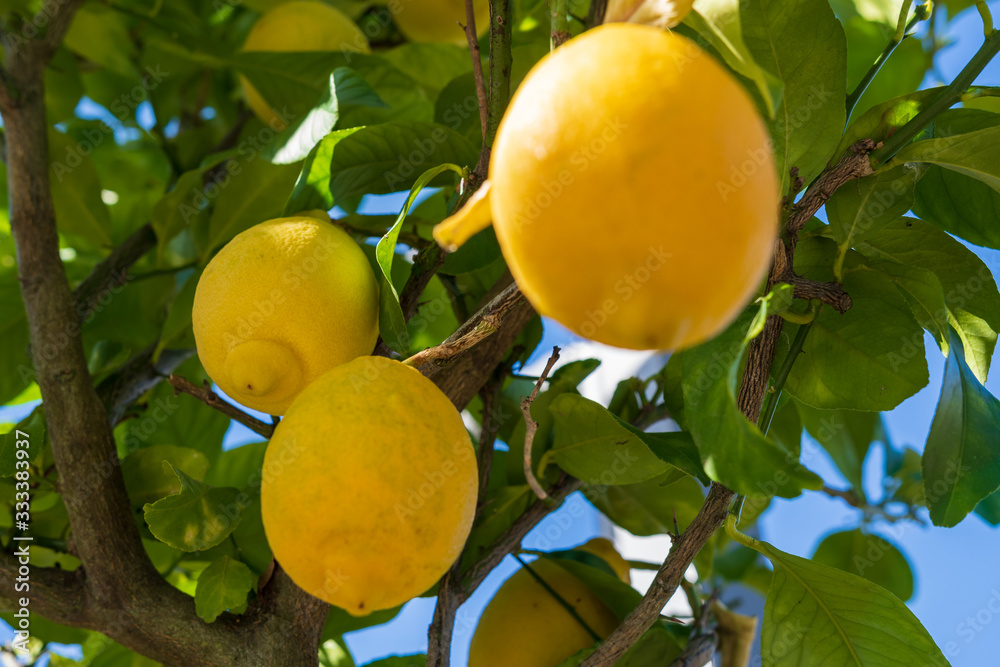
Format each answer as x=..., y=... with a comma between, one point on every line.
x=437, y=20
x=281, y=304
x=299, y=26
x=369, y=486
x=632, y=189
x=525, y=625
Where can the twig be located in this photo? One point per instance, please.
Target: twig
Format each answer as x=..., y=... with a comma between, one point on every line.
x=487, y=321
x=596, y=14
x=764, y=422
x=135, y=377
x=559, y=19
x=212, y=400
x=501, y=60
x=113, y=271
x=902, y=30
x=531, y=426
x=851, y=498
x=477, y=64
x=697, y=653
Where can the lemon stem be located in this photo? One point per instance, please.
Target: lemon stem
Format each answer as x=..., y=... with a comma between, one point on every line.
x=560, y=23
x=551, y=591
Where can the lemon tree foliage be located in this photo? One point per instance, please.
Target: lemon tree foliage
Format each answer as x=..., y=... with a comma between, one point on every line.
x=257, y=196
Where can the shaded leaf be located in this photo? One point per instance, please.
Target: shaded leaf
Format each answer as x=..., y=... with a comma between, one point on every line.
x=196, y=519
x=846, y=436
x=223, y=586
x=870, y=556
x=961, y=462
x=649, y=508
x=146, y=479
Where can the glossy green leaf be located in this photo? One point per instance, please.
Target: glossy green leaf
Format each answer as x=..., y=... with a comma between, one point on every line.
x=197, y=518
x=592, y=445
x=392, y=323
x=296, y=141
x=870, y=556
x=803, y=45
x=718, y=23
x=649, y=508
x=969, y=289
x=954, y=202
x=146, y=478
x=871, y=357
x=249, y=192
x=961, y=462
x=972, y=154
x=223, y=586
x=865, y=206
x=816, y=615
x=733, y=451
x=879, y=122
x=377, y=159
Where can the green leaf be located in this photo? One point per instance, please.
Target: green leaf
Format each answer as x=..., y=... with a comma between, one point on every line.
x=339, y=622
x=718, y=23
x=592, y=445
x=972, y=154
x=900, y=74
x=416, y=660
x=146, y=478
x=803, y=45
x=392, y=323
x=649, y=508
x=296, y=141
x=866, y=206
x=377, y=159
x=969, y=290
x=870, y=556
x=774, y=302
x=989, y=509
x=954, y=202
x=430, y=65
x=100, y=34
x=818, y=615
x=178, y=208
x=871, y=357
x=76, y=191
x=733, y=451
x=961, y=462
x=501, y=509
x=882, y=120
x=846, y=436
x=30, y=436
x=177, y=327
x=198, y=518
x=16, y=371
x=223, y=586
x=251, y=192
x=618, y=596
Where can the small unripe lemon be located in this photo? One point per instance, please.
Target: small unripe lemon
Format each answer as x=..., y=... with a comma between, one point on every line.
x=632, y=189
x=437, y=20
x=525, y=625
x=299, y=26
x=369, y=486
x=281, y=304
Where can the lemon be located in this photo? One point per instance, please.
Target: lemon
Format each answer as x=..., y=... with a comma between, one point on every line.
x=604, y=549
x=632, y=189
x=369, y=486
x=437, y=20
x=659, y=13
x=525, y=625
x=299, y=26
x=279, y=305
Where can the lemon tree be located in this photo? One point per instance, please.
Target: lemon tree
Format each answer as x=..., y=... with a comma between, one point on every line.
x=279, y=280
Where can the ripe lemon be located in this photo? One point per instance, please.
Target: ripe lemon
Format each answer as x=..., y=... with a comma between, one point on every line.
x=437, y=20
x=525, y=625
x=299, y=26
x=632, y=189
x=281, y=304
x=369, y=486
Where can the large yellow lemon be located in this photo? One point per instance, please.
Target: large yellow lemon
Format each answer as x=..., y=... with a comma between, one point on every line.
x=525, y=625
x=369, y=486
x=632, y=189
x=281, y=304
x=299, y=26
x=437, y=20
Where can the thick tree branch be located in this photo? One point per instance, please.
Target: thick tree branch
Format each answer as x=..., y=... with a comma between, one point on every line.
x=135, y=377
x=487, y=321
x=58, y=595
x=212, y=400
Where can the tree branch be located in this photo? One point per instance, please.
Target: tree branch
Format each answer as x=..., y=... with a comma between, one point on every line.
x=531, y=426
x=472, y=37
x=487, y=321
x=58, y=595
x=212, y=400
x=111, y=273
x=135, y=377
